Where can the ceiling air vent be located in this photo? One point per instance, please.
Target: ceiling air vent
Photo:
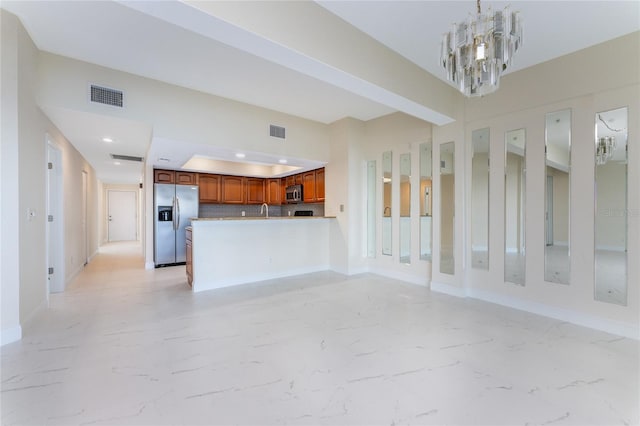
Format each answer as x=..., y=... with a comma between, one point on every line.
x=126, y=158
x=276, y=131
x=106, y=96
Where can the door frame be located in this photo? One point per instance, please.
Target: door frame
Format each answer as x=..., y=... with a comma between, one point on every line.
x=54, y=230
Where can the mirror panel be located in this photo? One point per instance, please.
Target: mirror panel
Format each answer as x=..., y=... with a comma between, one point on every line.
x=371, y=208
x=386, y=202
x=426, y=194
x=405, y=208
x=447, y=207
x=480, y=199
x=611, y=207
x=557, y=196
x=514, y=206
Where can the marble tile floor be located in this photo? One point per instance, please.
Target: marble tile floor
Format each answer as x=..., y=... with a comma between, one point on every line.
x=125, y=346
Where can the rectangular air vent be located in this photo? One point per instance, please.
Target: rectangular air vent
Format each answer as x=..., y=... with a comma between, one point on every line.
x=276, y=131
x=106, y=96
x=126, y=158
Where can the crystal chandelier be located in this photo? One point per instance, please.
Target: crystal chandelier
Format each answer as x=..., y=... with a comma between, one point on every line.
x=474, y=53
x=605, y=148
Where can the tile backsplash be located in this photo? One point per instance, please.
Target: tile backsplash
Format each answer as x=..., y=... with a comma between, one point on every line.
x=253, y=210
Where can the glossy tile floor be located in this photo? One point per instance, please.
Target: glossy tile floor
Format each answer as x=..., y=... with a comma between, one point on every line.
x=127, y=346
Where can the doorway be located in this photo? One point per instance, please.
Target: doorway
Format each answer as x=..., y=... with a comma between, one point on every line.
x=85, y=227
x=55, y=247
x=122, y=215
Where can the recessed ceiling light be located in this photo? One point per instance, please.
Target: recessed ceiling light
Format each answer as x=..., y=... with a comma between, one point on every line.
x=107, y=140
x=117, y=163
x=282, y=161
x=163, y=160
x=240, y=155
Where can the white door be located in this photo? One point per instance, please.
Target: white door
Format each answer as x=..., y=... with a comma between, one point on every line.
x=122, y=215
x=55, y=273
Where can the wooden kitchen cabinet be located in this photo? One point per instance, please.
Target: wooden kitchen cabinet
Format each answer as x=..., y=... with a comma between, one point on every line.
x=298, y=179
x=309, y=187
x=320, y=185
x=273, y=191
x=189, y=262
x=290, y=180
x=186, y=178
x=210, y=188
x=255, y=190
x=233, y=189
x=164, y=176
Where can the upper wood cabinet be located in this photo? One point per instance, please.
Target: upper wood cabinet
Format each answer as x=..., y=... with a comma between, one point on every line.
x=320, y=184
x=309, y=187
x=313, y=186
x=273, y=191
x=290, y=180
x=233, y=189
x=298, y=179
x=164, y=176
x=186, y=178
x=255, y=190
x=210, y=188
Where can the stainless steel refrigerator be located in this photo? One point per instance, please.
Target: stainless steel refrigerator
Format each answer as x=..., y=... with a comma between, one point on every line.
x=173, y=208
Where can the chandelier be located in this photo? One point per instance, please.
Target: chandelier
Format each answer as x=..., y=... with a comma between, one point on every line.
x=475, y=52
x=605, y=148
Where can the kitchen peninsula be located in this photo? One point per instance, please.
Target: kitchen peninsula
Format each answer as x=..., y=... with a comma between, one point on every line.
x=228, y=251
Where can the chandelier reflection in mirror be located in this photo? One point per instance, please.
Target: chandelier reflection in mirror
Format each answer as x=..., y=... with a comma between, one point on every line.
x=476, y=52
x=606, y=145
x=605, y=148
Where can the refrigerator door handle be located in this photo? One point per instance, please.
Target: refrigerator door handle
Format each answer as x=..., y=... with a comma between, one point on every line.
x=177, y=223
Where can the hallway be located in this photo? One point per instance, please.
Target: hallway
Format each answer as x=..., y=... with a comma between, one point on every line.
x=127, y=346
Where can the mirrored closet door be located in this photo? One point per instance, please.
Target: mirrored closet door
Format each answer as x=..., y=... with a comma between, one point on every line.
x=405, y=208
x=386, y=203
x=557, y=211
x=611, y=206
x=514, y=206
x=480, y=199
x=426, y=197
x=447, y=207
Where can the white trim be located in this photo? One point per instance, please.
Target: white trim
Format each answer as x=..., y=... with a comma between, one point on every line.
x=610, y=326
x=421, y=280
x=10, y=335
x=149, y=265
x=618, y=328
x=618, y=249
x=449, y=289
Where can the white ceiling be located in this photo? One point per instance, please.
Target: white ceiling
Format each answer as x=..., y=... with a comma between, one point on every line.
x=125, y=37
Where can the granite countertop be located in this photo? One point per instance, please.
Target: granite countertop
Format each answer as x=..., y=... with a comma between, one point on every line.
x=194, y=219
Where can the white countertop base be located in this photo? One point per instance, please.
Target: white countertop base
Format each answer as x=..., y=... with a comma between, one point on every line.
x=228, y=252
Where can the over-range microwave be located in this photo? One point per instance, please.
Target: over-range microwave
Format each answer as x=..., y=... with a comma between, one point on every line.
x=294, y=194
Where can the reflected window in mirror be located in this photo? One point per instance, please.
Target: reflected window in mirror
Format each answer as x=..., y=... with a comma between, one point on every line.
x=371, y=208
x=514, y=206
x=447, y=208
x=480, y=199
x=611, y=206
x=386, y=202
x=405, y=208
x=557, y=211
x=426, y=197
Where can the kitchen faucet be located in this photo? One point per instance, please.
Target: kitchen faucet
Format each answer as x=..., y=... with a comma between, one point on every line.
x=262, y=207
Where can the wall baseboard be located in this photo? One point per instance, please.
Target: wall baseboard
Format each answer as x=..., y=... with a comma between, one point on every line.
x=618, y=328
x=401, y=276
x=149, y=265
x=10, y=335
x=449, y=289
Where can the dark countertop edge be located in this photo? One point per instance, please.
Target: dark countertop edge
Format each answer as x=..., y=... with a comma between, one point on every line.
x=236, y=218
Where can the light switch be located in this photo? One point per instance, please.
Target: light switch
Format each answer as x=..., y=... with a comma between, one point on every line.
x=341, y=208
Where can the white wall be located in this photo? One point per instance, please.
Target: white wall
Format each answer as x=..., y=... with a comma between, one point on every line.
x=24, y=184
x=581, y=83
x=9, y=193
